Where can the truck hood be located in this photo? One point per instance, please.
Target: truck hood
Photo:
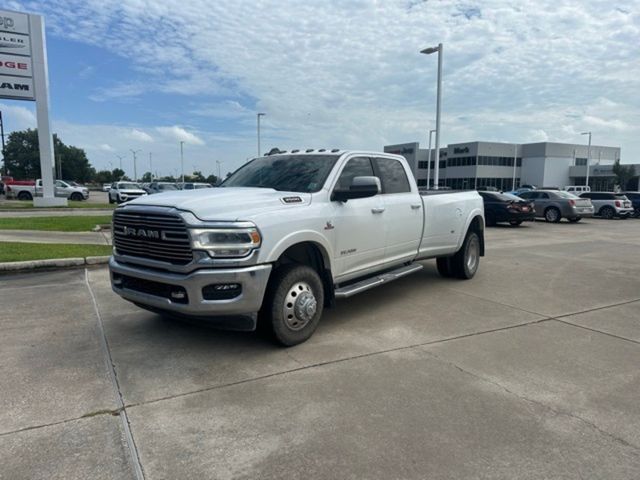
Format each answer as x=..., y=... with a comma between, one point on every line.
x=226, y=204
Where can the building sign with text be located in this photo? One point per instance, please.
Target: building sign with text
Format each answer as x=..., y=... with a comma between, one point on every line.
x=16, y=73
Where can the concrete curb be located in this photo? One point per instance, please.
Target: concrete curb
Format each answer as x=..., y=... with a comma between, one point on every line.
x=53, y=263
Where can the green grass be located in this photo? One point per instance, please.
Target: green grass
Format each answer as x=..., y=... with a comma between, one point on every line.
x=55, y=224
x=16, y=251
x=20, y=205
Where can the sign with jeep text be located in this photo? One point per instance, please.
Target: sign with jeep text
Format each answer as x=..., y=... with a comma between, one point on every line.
x=16, y=69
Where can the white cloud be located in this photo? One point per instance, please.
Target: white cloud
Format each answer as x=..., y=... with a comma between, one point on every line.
x=17, y=118
x=348, y=73
x=139, y=136
x=180, y=134
x=105, y=147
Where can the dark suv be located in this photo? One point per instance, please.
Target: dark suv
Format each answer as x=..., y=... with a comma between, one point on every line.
x=635, y=202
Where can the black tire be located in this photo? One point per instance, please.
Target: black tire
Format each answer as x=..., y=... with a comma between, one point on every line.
x=607, y=212
x=294, y=303
x=76, y=197
x=575, y=219
x=444, y=267
x=109, y=197
x=515, y=223
x=552, y=215
x=25, y=196
x=465, y=262
x=636, y=213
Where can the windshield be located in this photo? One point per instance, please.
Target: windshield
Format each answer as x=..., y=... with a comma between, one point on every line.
x=287, y=173
x=167, y=186
x=562, y=194
x=128, y=186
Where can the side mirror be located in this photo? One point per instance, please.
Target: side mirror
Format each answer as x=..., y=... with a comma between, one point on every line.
x=361, y=187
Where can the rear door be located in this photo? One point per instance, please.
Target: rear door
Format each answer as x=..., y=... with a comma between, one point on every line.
x=403, y=215
x=359, y=225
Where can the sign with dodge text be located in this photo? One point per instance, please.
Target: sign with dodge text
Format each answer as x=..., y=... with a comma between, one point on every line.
x=16, y=73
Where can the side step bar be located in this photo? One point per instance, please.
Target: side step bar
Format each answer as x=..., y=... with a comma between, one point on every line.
x=354, y=288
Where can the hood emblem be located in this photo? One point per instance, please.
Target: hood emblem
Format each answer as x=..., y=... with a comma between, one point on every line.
x=291, y=199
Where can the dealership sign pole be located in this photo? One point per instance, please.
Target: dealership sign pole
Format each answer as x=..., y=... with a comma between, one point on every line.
x=24, y=76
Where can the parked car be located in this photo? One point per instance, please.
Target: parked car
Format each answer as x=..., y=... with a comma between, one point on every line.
x=634, y=197
x=195, y=185
x=160, y=187
x=577, y=189
x=503, y=207
x=610, y=204
x=553, y=205
x=487, y=189
x=26, y=190
x=286, y=234
x=125, y=191
x=106, y=187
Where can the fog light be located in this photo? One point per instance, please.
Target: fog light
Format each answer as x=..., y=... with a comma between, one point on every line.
x=178, y=295
x=221, y=291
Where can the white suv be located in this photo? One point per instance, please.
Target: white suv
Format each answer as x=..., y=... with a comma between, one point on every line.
x=610, y=204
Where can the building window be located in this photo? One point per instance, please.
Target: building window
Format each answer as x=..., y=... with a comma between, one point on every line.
x=422, y=182
x=423, y=165
x=581, y=162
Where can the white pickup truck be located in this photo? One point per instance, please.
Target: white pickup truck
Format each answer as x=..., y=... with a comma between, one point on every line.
x=61, y=189
x=286, y=235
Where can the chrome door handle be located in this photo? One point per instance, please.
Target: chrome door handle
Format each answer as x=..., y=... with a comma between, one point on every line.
x=377, y=210
x=415, y=207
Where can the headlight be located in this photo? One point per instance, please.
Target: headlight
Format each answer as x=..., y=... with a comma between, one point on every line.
x=225, y=242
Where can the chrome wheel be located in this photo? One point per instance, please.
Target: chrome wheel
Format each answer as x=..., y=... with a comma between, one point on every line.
x=473, y=254
x=300, y=306
x=552, y=215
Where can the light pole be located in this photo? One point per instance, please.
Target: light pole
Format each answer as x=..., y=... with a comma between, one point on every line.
x=429, y=159
x=150, y=166
x=258, y=115
x=182, y=161
x=588, y=155
x=515, y=161
x=219, y=174
x=135, y=167
x=429, y=51
x=120, y=157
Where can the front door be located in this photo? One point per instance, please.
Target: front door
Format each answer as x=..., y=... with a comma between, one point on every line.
x=359, y=225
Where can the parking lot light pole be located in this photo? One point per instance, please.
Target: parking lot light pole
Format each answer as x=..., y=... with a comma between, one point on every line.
x=515, y=161
x=182, y=160
x=429, y=51
x=429, y=159
x=135, y=167
x=588, y=156
x=259, y=115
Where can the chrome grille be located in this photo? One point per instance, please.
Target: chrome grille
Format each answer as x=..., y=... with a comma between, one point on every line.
x=155, y=236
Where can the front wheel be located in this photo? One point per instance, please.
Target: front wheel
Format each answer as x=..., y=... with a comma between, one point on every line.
x=294, y=304
x=552, y=215
x=444, y=267
x=465, y=262
x=25, y=196
x=76, y=197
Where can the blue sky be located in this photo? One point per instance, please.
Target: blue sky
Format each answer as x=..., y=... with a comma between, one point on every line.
x=137, y=74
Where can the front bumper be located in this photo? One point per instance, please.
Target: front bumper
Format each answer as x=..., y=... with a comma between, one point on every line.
x=154, y=289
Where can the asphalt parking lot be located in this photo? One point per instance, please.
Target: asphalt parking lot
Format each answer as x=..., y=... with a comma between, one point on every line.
x=530, y=370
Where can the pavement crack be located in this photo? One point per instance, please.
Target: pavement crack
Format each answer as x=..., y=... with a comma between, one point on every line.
x=594, y=330
x=555, y=411
x=111, y=368
x=330, y=362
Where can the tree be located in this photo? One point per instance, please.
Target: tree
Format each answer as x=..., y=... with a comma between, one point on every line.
x=22, y=157
x=623, y=173
x=198, y=177
x=117, y=174
x=103, y=176
x=147, y=177
x=212, y=179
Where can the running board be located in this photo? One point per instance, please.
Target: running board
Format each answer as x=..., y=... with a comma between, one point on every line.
x=354, y=288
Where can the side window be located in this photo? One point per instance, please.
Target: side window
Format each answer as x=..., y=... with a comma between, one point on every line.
x=60, y=184
x=543, y=195
x=355, y=167
x=392, y=175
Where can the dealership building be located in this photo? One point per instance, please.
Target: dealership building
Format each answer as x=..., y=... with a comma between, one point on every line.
x=491, y=164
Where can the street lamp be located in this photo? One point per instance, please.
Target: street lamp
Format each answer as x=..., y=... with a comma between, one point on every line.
x=429, y=51
x=219, y=174
x=259, y=115
x=429, y=159
x=120, y=157
x=588, y=156
x=135, y=168
x=182, y=161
